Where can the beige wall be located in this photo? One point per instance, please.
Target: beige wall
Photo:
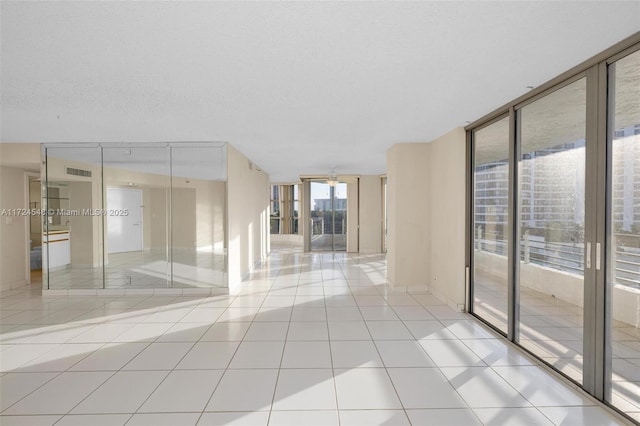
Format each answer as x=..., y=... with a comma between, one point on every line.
x=13, y=229
x=426, y=217
x=15, y=160
x=446, y=196
x=248, y=208
x=408, y=229
x=370, y=214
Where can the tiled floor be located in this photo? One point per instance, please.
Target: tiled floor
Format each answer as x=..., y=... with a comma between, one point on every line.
x=553, y=330
x=313, y=339
x=145, y=269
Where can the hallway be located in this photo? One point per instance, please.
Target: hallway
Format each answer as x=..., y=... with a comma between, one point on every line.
x=312, y=339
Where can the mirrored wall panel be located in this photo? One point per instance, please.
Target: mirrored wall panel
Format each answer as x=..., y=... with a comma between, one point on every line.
x=127, y=216
x=623, y=272
x=197, y=240
x=490, y=220
x=551, y=177
x=72, y=230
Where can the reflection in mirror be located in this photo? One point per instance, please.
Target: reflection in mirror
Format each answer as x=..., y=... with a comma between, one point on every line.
x=133, y=216
x=71, y=229
x=198, y=215
x=136, y=191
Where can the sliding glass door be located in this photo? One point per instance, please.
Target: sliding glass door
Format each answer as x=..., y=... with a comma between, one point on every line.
x=623, y=236
x=328, y=213
x=554, y=226
x=490, y=227
x=551, y=177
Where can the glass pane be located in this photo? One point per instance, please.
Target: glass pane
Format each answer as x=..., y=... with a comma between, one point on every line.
x=623, y=270
x=72, y=223
x=321, y=217
x=198, y=186
x=136, y=190
x=340, y=217
x=491, y=204
x=552, y=210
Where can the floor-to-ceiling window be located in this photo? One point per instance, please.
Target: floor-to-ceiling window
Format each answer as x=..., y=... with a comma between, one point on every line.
x=623, y=239
x=551, y=202
x=554, y=234
x=285, y=209
x=121, y=216
x=491, y=204
x=328, y=215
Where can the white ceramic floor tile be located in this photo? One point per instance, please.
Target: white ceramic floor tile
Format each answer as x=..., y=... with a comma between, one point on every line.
x=388, y=330
x=352, y=354
x=511, y=416
x=206, y=315
x=424, y=388
x=429, y=330
x=15, y=386
x=365, y=388
x=28, y=420
x=308, y=330
x=583, y=416
x=143, y=333
x=343, y=313
x=267, y=331
x=403, y=353
x=59, y=395
x=306, y=355
x=258, y=355
x=238, y=418
x=306, y=313
x=450, y=353
x=496, y=352
x=483, y=387
x=349, y=330
x=15, y=356
x=184, y=332
x=412, y=313
x=112, y=356
x=302, y=389
x=468, y=329
x=373, y=418
x=209, y=355
x=183, y=391
x=378, y=313
x=234, y=393
x=443, y=417
x=238, y=314
x=166, y=419
x=102, y=333
x=168, y=315
x=61, y=358
x=539, y=387
x=268, y=314
x=159, y=356
x=226, y=331
x=94, y=420
x=119, y=395
x=307, y=418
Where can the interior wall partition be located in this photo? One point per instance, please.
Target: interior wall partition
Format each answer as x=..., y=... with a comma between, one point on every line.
x=122, y=216
x=554, y=224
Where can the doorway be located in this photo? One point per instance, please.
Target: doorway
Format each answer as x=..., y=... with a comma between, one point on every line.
x=124, y=220
x=328, y=213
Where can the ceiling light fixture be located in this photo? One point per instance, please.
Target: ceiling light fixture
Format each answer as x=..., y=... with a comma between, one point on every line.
x=333, y=179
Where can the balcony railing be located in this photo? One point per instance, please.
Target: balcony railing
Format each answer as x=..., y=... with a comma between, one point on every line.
x=569, y=257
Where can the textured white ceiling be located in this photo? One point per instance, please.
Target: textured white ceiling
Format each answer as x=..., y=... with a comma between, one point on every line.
x=299, y=87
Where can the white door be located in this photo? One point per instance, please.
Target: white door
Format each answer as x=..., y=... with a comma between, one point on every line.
x=124, y=220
